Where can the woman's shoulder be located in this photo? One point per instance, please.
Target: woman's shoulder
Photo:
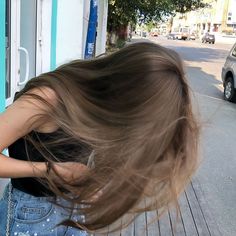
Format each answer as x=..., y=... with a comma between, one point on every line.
x=44, y=92
x=49, y=95
x=24, y=115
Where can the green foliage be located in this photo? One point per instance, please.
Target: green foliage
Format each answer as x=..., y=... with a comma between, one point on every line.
x=150, y=25
x=185, y=6
x=120, y=43
x=122, y=12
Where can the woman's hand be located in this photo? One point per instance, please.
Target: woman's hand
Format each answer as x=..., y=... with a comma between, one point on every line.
x=68, y=172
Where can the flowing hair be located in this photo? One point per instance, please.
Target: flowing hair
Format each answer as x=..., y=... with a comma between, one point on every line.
x=132, y=111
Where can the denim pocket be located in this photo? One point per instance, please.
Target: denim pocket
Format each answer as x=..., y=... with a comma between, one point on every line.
x=32, y=212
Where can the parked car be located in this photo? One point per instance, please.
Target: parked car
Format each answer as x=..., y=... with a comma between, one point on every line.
x=171, y=36
x=181, y=33
x=228, y=76
x=144, y=34
x=192, y=36
x=208, y=38
x=154, y=34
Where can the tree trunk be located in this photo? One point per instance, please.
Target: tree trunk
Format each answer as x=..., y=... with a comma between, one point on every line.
x=119, y=34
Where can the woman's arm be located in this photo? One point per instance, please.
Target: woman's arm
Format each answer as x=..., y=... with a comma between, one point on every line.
x=12, y=168
x=21, y=118
x=16, y=121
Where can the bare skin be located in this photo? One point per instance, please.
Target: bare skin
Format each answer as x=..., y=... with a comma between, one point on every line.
x=14, y=123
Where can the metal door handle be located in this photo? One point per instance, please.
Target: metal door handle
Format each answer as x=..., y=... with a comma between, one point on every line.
x=27, y=66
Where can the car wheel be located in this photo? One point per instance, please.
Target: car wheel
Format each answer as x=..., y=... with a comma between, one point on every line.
x=229, y=90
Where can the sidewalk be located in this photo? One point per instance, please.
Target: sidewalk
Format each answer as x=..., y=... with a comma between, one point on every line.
x=227, y=39
x=195, y=219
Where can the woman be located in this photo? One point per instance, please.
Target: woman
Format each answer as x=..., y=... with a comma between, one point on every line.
x=91, y=140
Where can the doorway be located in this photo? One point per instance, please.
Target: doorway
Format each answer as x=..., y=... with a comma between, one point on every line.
x=21, y=44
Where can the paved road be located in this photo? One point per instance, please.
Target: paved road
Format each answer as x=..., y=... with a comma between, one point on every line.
x=217, y=173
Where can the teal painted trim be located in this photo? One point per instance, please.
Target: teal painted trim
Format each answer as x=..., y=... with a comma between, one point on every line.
x=53, y=34
x=2, y=56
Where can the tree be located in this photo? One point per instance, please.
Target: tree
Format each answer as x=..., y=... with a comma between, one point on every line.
x=123, y=12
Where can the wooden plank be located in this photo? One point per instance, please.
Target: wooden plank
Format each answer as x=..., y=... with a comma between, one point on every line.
x=165, y=225
x=187, y=218
x=211, y=223
x=117, y=224
x=140, y=225
x=177, y=223
x=104, y=232
x=196, y=212
x=128, y=231
x=152, y=224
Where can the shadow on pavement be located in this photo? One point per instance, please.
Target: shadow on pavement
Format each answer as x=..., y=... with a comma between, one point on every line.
x=200, y=54
x=204, y=83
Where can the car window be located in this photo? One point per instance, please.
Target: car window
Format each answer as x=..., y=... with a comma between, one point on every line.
x=234, y=52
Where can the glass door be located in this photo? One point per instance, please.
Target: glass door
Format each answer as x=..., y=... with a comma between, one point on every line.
x=21, y=41
x=28, y=38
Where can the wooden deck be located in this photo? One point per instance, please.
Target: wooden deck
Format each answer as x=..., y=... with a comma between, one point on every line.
x=195, y=219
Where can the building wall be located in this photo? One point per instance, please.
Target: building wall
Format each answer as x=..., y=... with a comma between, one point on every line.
x=49, y=33
x=219, y=10
x=44, y=36
x=69, y=30
x=232, y=12
x=72, y=31
x=209, y=19
x=85, y=23
x=102, y=27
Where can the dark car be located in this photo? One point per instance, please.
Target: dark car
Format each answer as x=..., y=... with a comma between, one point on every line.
x=171, y=36
x=208, y=38
x=228, y=76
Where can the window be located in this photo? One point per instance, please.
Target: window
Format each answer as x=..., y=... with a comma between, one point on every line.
x=234, y=52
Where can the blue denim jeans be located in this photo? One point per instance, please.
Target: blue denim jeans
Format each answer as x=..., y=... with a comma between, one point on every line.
x=35, y=216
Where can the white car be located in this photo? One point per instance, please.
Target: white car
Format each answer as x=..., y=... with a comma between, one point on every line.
x=192, y=36
x=228, y=76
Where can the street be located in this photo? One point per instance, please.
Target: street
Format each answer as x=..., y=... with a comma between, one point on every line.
x=216, y=173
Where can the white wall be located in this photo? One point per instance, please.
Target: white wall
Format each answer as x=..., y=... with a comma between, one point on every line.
x=102, y=27
x=44, y=37
x=72, y=26
x=85, y=22
x=69, y=30
x=219, y=12
x=232, y=7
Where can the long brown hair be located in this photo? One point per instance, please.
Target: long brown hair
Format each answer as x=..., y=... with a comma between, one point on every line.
x=133, y=110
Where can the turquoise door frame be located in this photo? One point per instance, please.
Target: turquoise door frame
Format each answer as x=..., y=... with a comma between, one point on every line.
x=2, y=56
x=54, y=35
